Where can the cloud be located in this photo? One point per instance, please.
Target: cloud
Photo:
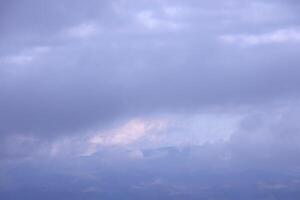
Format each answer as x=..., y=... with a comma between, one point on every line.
x=25, y=57
x=130, y=132
x=101, y=97
x=258, y=153
x=126, y=135
x=84, y=31
x=148, y=19
x=276, y=37
x=76, y=86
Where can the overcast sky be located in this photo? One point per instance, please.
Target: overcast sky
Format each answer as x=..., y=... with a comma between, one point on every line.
x=149, y=99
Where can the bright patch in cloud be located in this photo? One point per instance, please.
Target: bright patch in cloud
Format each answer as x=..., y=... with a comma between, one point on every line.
x=178, y=130
x=127, y=134
x=172, y=11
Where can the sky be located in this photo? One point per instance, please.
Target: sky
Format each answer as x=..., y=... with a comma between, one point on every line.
x=149, y=99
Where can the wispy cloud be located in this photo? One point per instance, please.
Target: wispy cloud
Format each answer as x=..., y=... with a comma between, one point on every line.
x=151, y=21
x=275, y=37
x=26, y=56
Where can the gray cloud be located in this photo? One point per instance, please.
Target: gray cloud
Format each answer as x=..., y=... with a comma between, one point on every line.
x=72, y=70
x=66, y=71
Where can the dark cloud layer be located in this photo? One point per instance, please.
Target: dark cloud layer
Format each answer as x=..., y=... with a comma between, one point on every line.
x=127, y=68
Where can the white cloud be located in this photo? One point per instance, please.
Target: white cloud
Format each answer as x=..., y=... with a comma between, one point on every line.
x=18, y=59
x=127, y=134
x=130, y=132
x=26, y=56
x=198, y=129
x=142, y=133
x=279, y=36
x=151, y=21
x=176, y=130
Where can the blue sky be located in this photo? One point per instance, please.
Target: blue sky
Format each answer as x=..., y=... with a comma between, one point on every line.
x=161, y=99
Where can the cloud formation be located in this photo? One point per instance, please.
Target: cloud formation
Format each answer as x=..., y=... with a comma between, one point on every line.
x=149, y=99
x=280, y=36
